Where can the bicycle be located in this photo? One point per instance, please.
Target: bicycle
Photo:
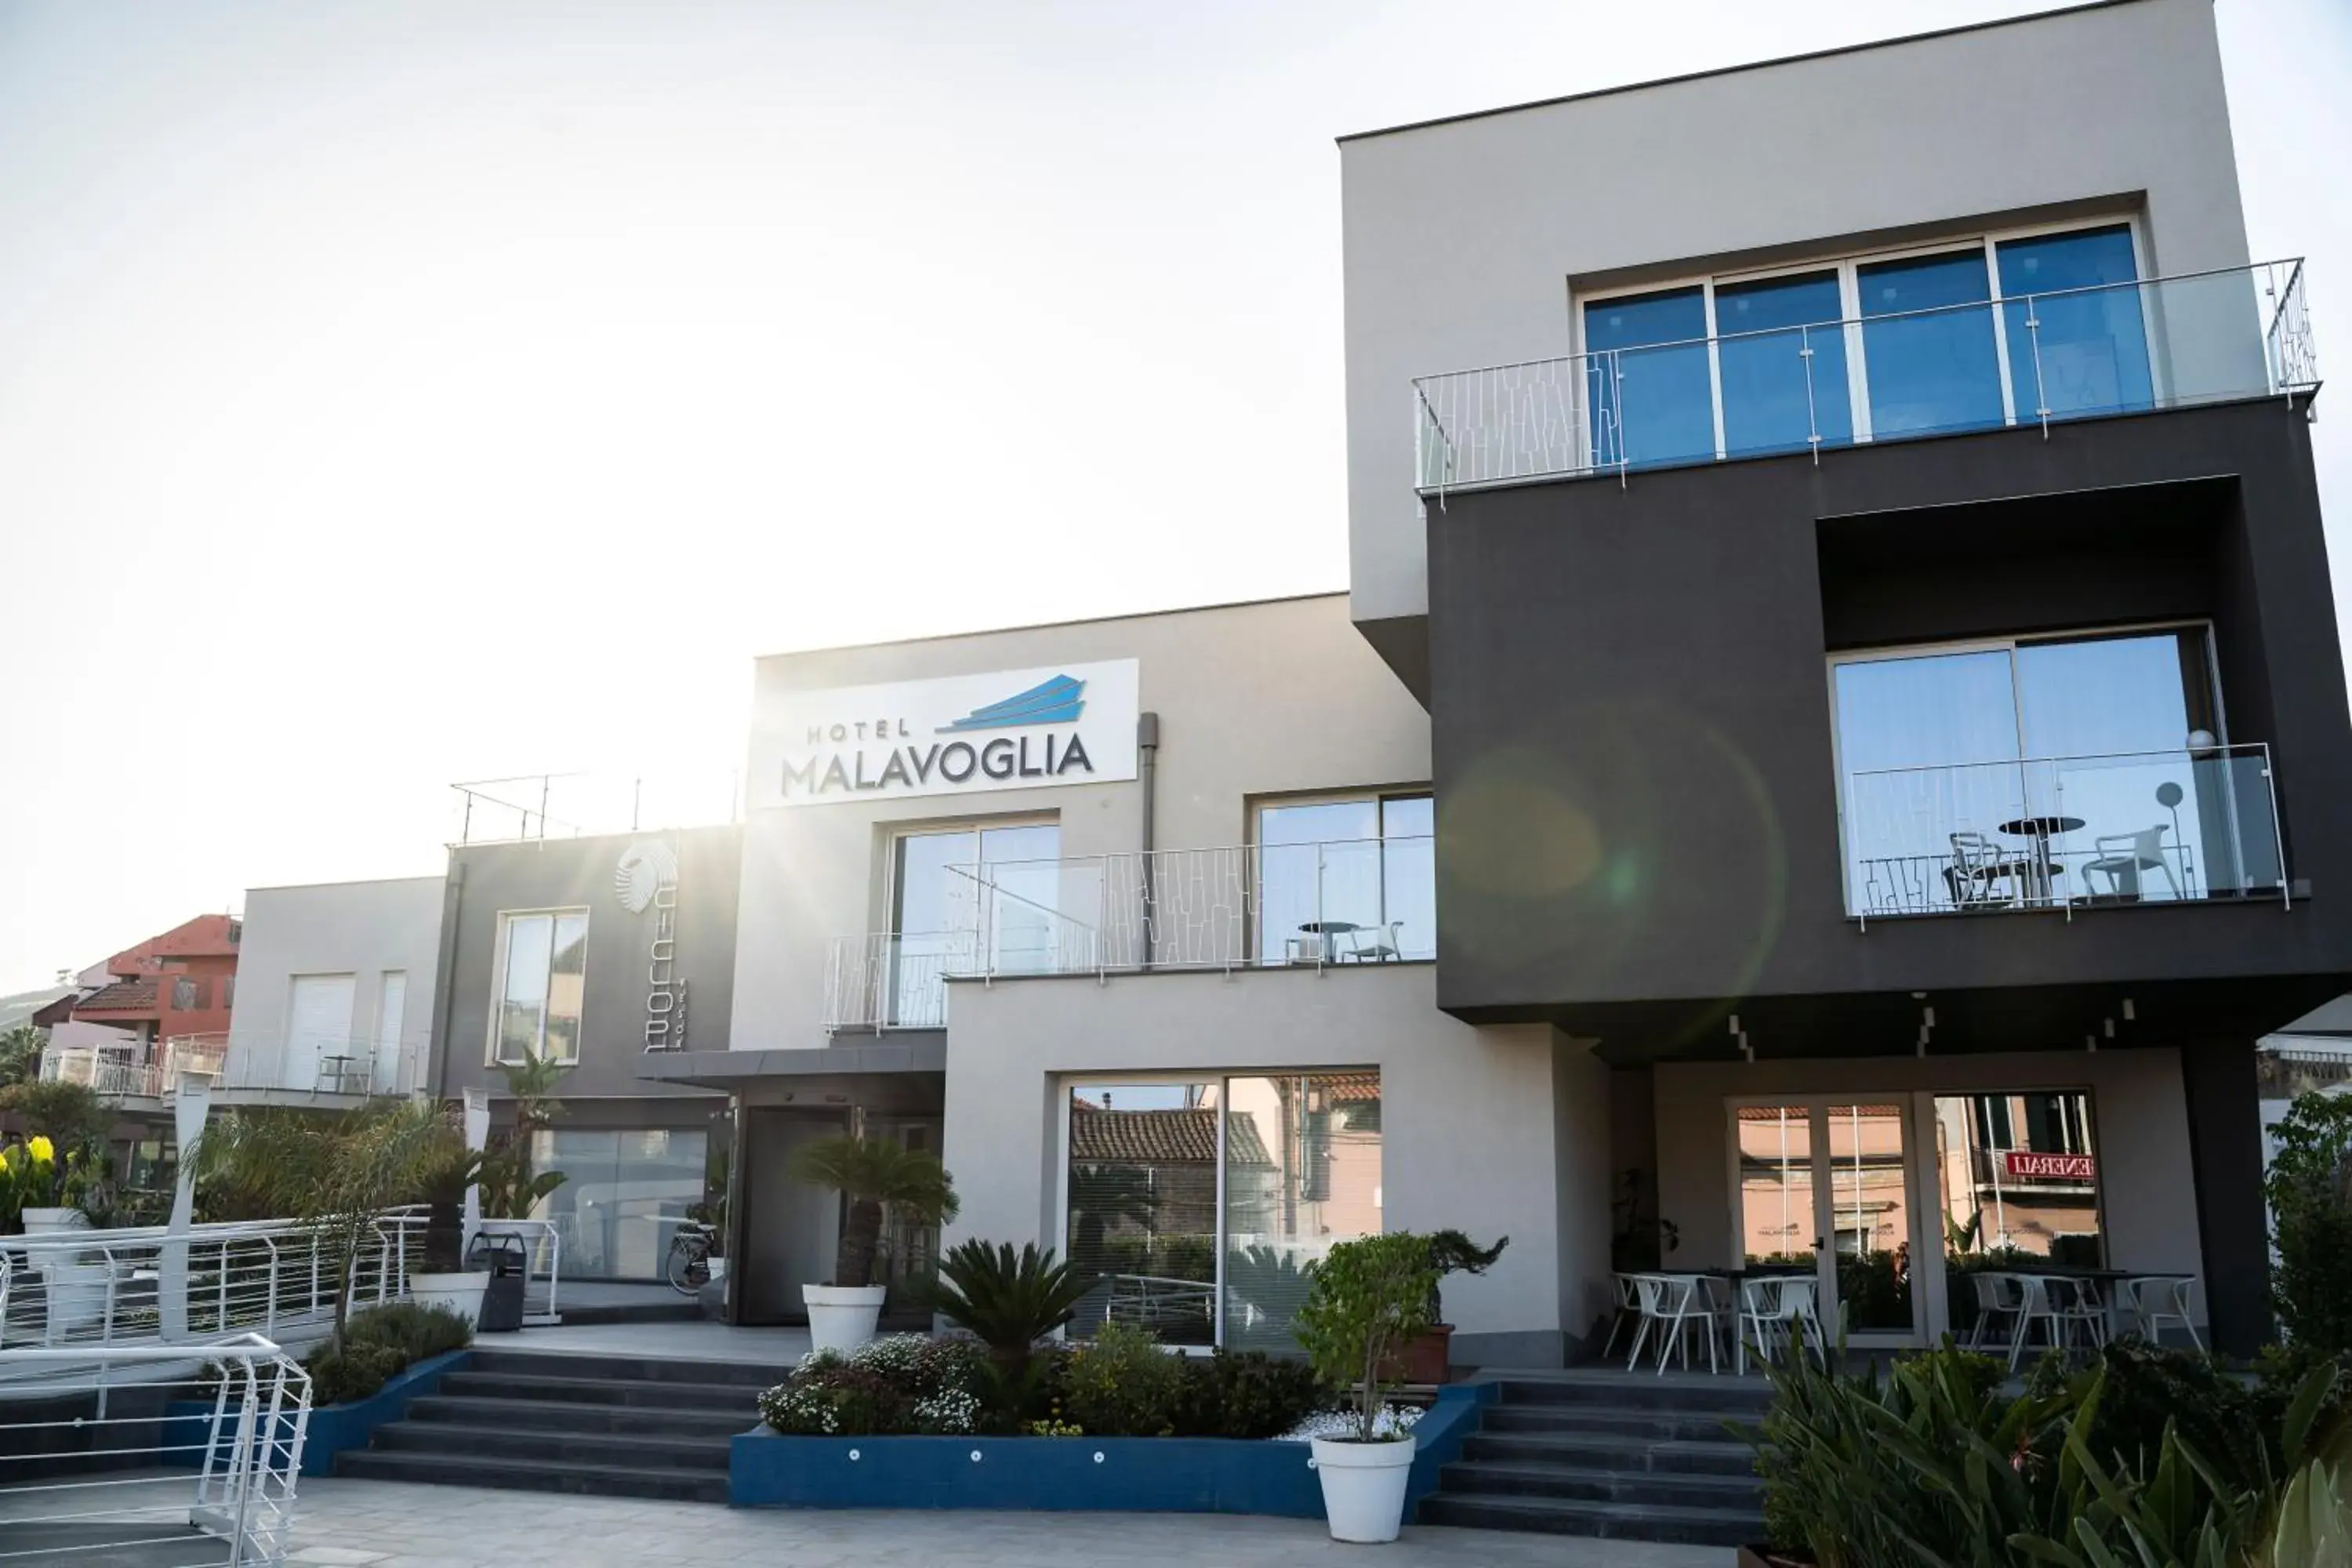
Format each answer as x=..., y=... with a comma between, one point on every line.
x=688, y=1268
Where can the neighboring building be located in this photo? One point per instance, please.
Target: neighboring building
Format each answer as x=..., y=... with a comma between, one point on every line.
x=335, y=991
x=115, y=1032
x=1877, y=634
x=593, y=951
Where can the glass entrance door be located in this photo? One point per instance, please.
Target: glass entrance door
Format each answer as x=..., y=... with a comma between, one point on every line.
x=1824, y=1185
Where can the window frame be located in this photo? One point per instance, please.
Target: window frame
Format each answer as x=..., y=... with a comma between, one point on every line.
x=1378, y=797
x=506, y=919
x=895, y=834
x=1847, y=266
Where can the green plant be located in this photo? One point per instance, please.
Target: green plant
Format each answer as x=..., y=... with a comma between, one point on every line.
x=2309, y=1185
x=417, y=1331
x=1121, y=1383
x=1364, y=1300
x=880, y=1178
x=1247, y=1395
x=904, y=1382
x=1008, y=1301
x=2314, y=1527
x=1451, y=1252
x=20, y=1053
x=509, y=1190
x=354, y=1372
x=73, y=1116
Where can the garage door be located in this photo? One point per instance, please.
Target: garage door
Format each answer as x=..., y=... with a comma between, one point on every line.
x=318, y=1025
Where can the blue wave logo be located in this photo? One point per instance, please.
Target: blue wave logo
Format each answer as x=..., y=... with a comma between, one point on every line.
x=1056, y=702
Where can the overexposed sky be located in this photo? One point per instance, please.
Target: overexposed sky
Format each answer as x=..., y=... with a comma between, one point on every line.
x=398, y=392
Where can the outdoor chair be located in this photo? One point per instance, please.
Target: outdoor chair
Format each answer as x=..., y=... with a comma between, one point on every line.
x=1985, y=875
x=1779, y=1309
x=2061, y=1306
x=1627, y=1310
x=2152, y=1301
x=1674, y=1305
x=2123, y=856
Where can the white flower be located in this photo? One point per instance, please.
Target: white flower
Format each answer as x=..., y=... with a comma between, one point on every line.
x=1393, y=1421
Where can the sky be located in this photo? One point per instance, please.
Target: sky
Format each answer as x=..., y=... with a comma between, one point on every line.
x=399, y=394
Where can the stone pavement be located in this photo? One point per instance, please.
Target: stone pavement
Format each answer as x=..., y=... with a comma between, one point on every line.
x=387, y=1525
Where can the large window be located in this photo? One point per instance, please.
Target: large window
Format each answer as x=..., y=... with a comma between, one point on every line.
x=1968, y=336
x=1198, y=1203
x=542, y=964
x=2065, y=769
x=962, y=894
x=625, y=1193
x=1347, y=881
x=2018, y=1177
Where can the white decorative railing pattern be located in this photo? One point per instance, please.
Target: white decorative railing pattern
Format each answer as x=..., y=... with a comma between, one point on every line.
x=2066, y=833
x=1316, y=905
x=2119, y=348
x=115, y=1484
x=354, y=1067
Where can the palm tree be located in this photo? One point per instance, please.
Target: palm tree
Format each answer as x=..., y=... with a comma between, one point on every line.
x=880, y=1177
x=20, y=1054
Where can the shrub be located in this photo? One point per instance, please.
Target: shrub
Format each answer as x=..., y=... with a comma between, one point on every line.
x=2309, y=1185
x=1122, y=1385
x=1365, y=1300
x=904, y=1382
x=1247, y=1395
x=354, y=1372
x=1008, y=1303
x=838, y=1401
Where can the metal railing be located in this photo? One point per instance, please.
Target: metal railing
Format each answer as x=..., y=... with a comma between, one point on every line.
x=535, y=806
x=129, y=1479
x=2122, y=348
x=1318, y=905
x=2069, y=833
x=356, y=1067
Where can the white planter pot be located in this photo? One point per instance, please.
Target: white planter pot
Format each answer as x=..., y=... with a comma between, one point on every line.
x=458, y=1293
x=1363, y=1486
x=48, y=1222
x=77, y=1296
x=842, y=1318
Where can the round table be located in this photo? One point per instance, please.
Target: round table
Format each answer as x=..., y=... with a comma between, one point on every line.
x=2042, y=830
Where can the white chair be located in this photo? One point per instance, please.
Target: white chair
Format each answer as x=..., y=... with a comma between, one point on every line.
x=1998, y=1296
x=2122, y=857
x=2152, y=1301
x=1629, y=1306
x=1674, y=1304
x=2061, y=1305
x=1779, y=1309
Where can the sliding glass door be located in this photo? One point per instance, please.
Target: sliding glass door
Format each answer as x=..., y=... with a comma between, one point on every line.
x=1824, y=1188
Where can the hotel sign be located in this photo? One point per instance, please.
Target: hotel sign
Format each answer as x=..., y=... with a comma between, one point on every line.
x=2024, y=1165
x=1019, y=728
x=646, y=881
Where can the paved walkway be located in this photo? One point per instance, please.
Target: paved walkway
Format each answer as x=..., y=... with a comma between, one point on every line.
x=388, y=1524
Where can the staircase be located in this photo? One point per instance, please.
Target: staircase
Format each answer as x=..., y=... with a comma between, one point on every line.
x=599, y=1425
x=1629, y=1457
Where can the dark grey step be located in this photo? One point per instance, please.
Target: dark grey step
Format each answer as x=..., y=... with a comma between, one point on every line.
x=1641, y=1391
x=556, y=1415
x=627, y=1368
x=737, y=1397
x=511, y=1475
x=1700, y=1426
x=1656, y=1487
x=1609, y=1520
x=681, y=1311
x=570, y=1447
x=1602, y=1451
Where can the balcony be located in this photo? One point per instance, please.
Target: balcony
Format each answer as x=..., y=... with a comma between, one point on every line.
x=1318, y=906
x=334, y=1071
x=2028, y=359
x=2064, y=833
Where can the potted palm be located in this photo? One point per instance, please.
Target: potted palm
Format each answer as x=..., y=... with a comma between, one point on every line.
x=1365, y=1302
x=446, y=1168
x=879, y=1179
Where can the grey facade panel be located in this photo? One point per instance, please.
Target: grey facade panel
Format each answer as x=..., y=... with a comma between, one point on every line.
x=488, y=879
x=1633, y=736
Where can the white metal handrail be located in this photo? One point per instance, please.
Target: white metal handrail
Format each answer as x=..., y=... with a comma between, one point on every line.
x=84, y=1484
x=2218, y=335
x=348, y=1067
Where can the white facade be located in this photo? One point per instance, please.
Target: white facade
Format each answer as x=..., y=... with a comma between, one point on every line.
x=334, y=987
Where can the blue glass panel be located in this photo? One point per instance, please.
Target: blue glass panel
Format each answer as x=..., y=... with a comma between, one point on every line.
x=1650, y=404
x=1937, y=372
x=1775, y=395
x=2092, y=347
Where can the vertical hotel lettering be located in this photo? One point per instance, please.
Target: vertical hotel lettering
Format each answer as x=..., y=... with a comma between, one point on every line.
x=646, y=881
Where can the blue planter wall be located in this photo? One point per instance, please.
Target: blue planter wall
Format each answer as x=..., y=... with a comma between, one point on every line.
x=187, y=1423
x=1128, y=1475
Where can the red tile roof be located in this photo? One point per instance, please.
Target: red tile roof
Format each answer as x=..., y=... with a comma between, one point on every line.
x=122, y=996
x=1101, y=1137
x=207, y=936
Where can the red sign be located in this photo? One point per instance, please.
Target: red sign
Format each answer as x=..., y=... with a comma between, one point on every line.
x=2026, y=1165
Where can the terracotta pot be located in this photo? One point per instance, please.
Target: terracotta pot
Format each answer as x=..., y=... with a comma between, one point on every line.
x=1423, y=1359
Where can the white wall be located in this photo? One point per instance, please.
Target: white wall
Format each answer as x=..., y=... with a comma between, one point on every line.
x=2147, y=1192
x=1470, y=1125
x=1260, y=699
x=361, y=929
x=1462, y=239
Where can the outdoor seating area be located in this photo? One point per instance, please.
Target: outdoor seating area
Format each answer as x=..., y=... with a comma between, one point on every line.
x=1740, y=1316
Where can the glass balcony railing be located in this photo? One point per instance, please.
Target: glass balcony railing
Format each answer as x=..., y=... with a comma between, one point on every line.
x=2064, y=833
x=2075, y=354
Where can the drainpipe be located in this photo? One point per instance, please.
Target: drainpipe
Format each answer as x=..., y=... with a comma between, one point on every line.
x=444, y=982
x=1147, y=741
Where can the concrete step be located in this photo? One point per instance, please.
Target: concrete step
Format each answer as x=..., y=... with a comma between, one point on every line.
x=632, y=1392
x=556, y=1415
x=1655, y=1488
x=539, y=1476
x=1700, y=1426
x=1611, y=1520
x=572, y=1448
x=680, y=1311
x=1642, y=1391
x=1605, y=1451
x=627, y=1368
